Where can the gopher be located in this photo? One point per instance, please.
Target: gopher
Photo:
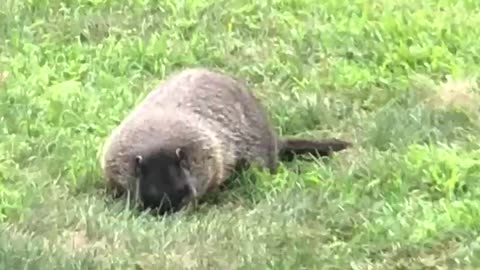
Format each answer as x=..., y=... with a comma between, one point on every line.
x=189, y=135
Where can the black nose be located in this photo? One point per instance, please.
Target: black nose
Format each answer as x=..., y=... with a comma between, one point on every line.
x=164, y=201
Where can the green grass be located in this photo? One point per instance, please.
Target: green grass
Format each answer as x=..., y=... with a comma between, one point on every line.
x=406, y=196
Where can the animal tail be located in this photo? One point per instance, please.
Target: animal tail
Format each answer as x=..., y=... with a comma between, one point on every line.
x=289, y=147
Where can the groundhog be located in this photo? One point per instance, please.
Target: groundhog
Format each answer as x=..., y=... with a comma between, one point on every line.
x=189, y=135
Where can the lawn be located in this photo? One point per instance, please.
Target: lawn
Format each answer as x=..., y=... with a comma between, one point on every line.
x=398, y=78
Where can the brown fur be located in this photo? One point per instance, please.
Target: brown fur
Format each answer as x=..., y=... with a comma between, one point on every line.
x=214, y=118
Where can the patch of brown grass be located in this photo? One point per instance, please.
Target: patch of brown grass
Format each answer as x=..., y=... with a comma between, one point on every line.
x=455, y=94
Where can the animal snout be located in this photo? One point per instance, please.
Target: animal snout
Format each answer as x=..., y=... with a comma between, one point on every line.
x=165, y=200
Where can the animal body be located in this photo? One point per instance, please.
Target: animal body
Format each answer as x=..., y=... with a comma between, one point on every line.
x=189, y=135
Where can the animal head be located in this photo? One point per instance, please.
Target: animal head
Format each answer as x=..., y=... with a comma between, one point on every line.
x=164, y=181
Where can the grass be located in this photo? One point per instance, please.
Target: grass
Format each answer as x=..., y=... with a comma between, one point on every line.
x=397, y=78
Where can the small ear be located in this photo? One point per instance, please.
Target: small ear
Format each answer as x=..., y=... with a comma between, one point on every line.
x=181, y=158
x=138, y=164
x=180, y=153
